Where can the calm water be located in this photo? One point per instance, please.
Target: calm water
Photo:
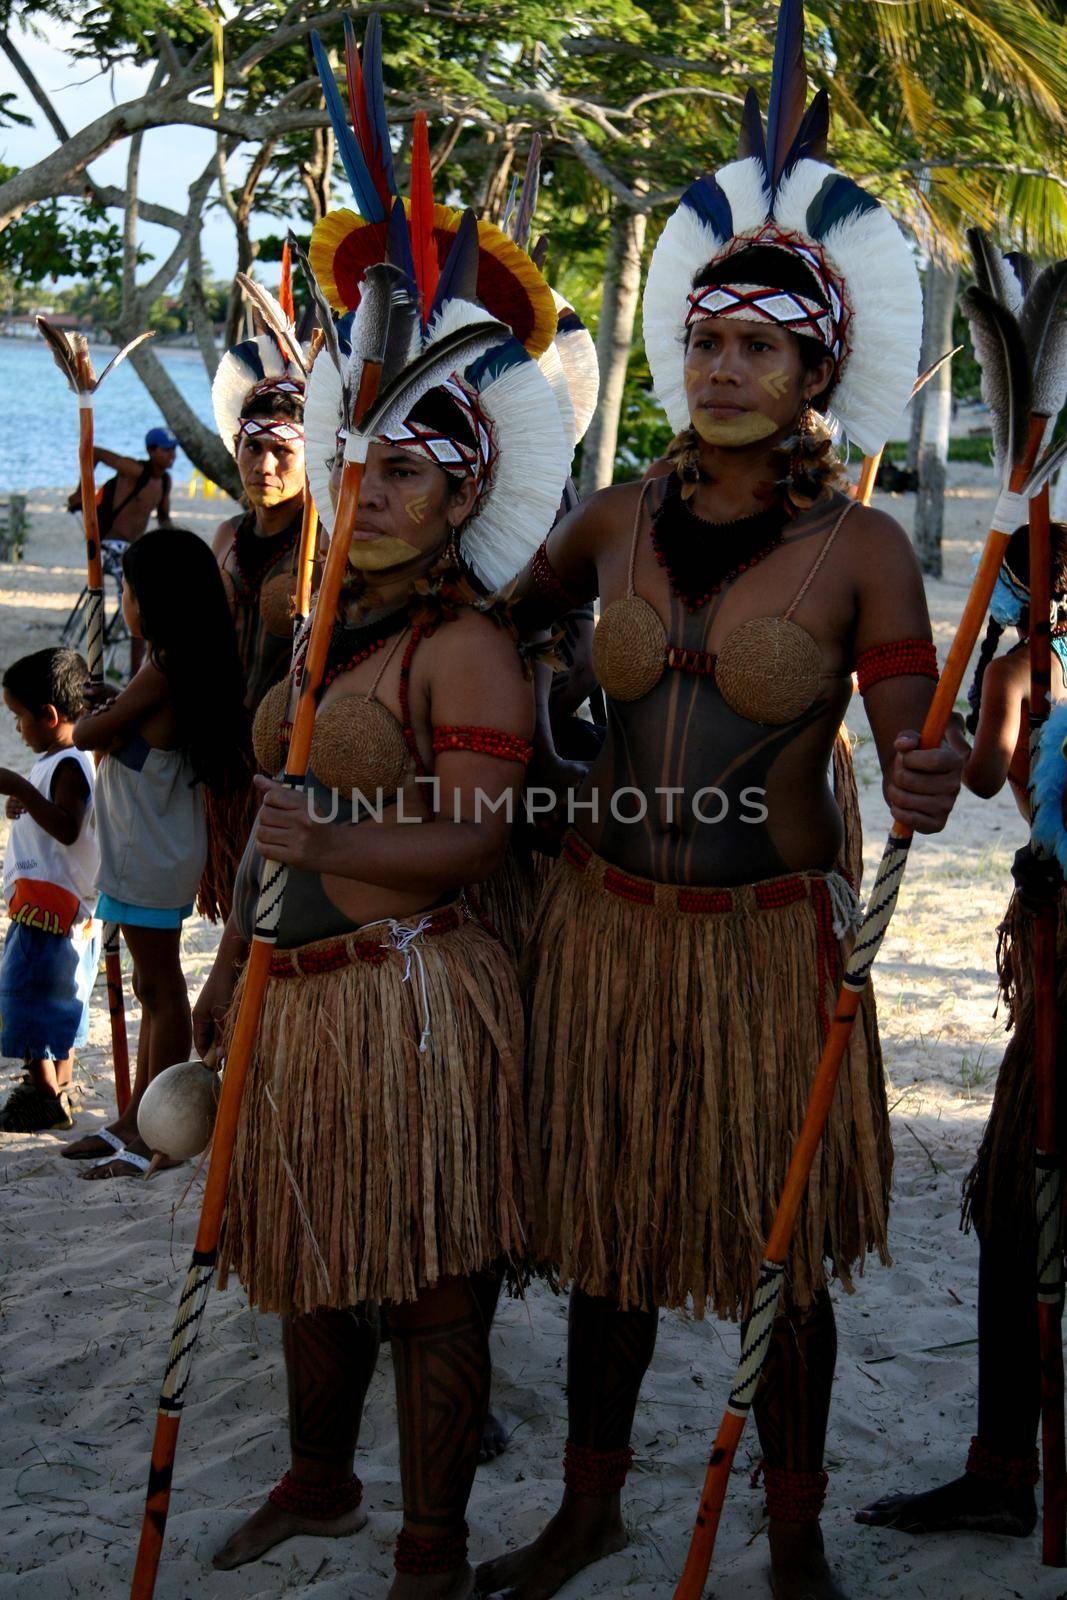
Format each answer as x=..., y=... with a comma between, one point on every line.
x=39, y=442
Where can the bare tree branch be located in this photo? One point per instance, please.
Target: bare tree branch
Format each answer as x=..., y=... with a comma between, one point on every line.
x=37, y=93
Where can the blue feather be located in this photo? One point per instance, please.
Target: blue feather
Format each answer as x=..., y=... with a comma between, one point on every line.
x=1049, y=777
x=710, y=204
x=375, y=86
x=838, y=198
x=248, y=352
x=789, y=86
x=459, y=275
x=398, y=250
x=750, y=140
x=810, y=142
x=486, y=368
x=358, y=173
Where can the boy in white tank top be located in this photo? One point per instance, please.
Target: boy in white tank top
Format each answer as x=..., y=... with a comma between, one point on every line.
x=51, y=950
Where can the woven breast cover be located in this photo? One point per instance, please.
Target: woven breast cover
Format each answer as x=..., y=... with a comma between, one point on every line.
x=271, y=714
x=358, y=744
x=629, y=647
x=769, y=670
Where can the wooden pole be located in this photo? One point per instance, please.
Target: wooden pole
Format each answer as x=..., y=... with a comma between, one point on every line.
x=94, y=650
x=880, y=908
x=193, y=1300
x=309, y=529
x=1048, y=1176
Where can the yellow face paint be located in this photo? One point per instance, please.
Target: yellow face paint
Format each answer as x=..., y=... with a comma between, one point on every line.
x=748, y=428
x=416, y=509
x=776, y=383
x=376, y=555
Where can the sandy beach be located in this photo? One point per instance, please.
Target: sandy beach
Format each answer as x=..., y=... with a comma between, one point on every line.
x=90, y=1275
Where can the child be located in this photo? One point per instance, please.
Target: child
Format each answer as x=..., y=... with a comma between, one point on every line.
x=52, y=949
x=995, y=1494
x=178, y=724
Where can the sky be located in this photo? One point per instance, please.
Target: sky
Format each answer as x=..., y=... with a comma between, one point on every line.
x=171, y=157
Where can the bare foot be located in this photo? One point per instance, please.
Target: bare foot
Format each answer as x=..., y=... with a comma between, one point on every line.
x=966, y=1505
x=494, y=1440
x=120, y=1167
x=92, y=1145
x=270, y=1525
x=585, y=1529
x=457, y=1585
x=798, y=1566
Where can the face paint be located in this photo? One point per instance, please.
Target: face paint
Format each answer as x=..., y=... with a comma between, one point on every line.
x=416, y=509
x=377, y=555
x=745, y=429
x=776, y=383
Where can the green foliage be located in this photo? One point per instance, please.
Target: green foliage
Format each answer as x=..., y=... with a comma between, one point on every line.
x=59, y=239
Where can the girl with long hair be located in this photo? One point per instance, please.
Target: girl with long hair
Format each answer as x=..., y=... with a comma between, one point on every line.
x=175, y=730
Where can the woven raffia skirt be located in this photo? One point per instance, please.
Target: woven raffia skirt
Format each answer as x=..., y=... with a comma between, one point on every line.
x=998, y=1195
x=673, y=1035
x=381, y=1143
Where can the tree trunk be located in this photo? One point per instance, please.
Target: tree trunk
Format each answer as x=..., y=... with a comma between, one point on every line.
x=197, y=309
x=618, y=309
x=942, y=279
x=201, y=444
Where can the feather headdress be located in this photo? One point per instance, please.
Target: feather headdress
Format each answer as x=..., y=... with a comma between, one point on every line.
x=273, y=357
x=470, y=395
x=344, y=244
x=866, y=303
x=1018, y=320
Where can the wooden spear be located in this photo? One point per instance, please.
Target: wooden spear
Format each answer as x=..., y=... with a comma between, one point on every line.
x=880, y=908
x=367, y=409
x=71, y=355
x=1048, y=1175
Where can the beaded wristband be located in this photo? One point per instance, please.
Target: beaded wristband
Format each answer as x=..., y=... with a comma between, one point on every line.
x=793, y=1496
x=443, y=1552
x=592, y=1472
x=322, y=1501
x=903, y=658
x=483, y=741
x=1020, y=1472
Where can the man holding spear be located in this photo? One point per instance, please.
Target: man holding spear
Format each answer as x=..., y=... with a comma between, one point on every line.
x=700, y=871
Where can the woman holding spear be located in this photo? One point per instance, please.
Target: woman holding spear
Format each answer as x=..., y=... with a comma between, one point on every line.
x=738, y=594
x=381, y=1150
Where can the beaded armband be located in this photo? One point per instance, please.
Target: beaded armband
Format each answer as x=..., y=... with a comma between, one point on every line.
x=545, y=585
x=483, y=741
x=903, y=658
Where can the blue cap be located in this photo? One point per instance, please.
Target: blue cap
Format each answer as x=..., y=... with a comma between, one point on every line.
x=160, y=438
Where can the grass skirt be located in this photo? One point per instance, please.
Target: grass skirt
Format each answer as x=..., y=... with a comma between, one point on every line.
x=671, y=1049
x=998, y=1194
x=366, y=1168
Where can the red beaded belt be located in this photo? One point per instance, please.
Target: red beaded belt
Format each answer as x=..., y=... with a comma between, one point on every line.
x=773, y=894
x=331, y=955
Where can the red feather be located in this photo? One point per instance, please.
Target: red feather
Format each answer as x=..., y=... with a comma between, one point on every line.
x=361, y=119
x=423, y=246
x=285, y=292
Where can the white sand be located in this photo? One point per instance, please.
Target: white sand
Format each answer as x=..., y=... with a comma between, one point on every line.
x=90, y=1276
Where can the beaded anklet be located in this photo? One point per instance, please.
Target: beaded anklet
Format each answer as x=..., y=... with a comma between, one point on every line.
x=793, y=1496
x=323, y=1501
x=592, y=1472
x=1012, y=1472
x=442, y=1552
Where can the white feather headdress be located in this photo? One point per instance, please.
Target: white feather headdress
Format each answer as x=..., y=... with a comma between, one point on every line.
x=781, y=193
